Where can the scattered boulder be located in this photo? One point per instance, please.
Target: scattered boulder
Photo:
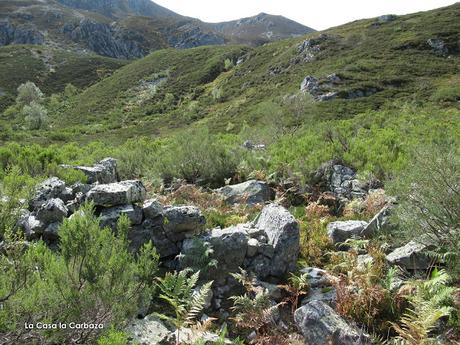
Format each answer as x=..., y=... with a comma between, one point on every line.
x=250, y=192
x=412, y=256
x=320, y=285
x=321, y=325
x=386, y=18
x=53, y=210
x=317, y=277
x=438, y=46
x=120, y=193
x=341, y=231
x=282, y=231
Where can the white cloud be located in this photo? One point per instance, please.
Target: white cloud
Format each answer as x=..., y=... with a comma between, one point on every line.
x=319, y=14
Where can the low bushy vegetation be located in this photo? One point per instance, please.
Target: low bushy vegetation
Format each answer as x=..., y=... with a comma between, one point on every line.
x=93, y=275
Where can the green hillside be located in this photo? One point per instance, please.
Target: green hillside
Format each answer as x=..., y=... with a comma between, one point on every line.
x=391, y=59
x=51, y=69
x=389, y=88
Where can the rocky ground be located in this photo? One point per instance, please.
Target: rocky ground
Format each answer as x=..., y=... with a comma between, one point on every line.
x=265, y=249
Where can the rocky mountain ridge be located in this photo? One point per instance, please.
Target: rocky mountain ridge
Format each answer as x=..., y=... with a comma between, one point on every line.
x=127, y=29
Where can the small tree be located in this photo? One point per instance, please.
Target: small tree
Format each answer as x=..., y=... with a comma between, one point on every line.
x=36, y=116
x=29, y=93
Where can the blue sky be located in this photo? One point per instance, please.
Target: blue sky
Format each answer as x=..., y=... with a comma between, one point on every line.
x=318, y=14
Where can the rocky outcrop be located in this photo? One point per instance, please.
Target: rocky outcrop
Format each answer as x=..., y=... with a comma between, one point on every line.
x=268, y=247
x=341, y=231
x=412, y=256
x=19, y=34
x=321, y=325
x=342, y=181
x=438, y=46
x=326, y=88
x=104, y=39
x=250, y=192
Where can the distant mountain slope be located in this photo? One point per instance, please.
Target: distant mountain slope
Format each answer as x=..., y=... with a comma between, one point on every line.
x=355, y=68
x=260, y=29
x=121, y=8
x=126, y=29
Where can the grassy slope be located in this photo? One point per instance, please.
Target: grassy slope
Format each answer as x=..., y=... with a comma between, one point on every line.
x=50, y=69
x=392, y=57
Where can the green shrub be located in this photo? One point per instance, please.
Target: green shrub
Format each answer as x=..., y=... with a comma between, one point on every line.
x=29, y=93
x=429, y=195
x=198, y=157
x=94, y=276
x=35, y=116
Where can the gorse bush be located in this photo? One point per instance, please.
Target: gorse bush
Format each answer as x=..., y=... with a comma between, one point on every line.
x=198, y=157
x=93, y=275
x=429, y=194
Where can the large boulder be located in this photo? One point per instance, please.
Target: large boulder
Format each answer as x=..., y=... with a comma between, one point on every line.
x=52, y=211
x=109, y=216
x=249, y=192
x=181, y=222
x=120, y=193
x=321, y=325
x=282, y=231
x=48, y=189
x=230, y=247
x=412, y=256
x=341, y=231
x=31, y=226
x=102, y=172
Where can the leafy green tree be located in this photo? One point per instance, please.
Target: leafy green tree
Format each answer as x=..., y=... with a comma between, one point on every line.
x=29, y=93
x=35, y=116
